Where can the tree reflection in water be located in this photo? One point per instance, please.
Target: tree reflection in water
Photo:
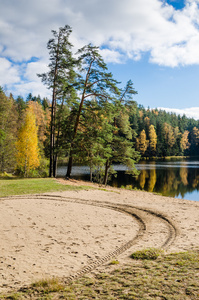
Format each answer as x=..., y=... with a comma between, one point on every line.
x=168, y=178
x=177, y=178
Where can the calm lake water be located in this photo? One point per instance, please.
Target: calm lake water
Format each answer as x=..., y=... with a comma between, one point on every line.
x=176, y=178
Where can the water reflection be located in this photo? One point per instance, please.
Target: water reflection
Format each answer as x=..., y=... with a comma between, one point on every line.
x=178, y=179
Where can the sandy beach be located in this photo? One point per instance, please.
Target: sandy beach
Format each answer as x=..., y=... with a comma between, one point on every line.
x=71, y=233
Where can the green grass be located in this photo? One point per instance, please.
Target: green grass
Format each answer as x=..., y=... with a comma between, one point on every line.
x=13, y=186
x=114, y=262
x=150, y=254
x=171, y=277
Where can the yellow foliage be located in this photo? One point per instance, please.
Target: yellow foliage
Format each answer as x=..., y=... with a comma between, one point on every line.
x=169, y=135
x=141, y=114
x=184, y=175
x=184, y=143
x=27, y=144
x=155, y=112
x=152, y=138
x=142, y=142
x=42, y=119
x=147, y=121
x=152, y=180
x=142, y=178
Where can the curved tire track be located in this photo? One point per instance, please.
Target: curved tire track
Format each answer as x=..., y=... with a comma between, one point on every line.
x=150, y=224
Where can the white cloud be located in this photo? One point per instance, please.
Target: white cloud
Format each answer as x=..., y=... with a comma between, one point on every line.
x=191, y=112
x=125, y=29
x=34, y=68
x=8, y=72
x=111, y=56
x=34, y=87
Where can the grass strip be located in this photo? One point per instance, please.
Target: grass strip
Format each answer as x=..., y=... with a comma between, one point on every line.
x=172, y=277
x=12, y=186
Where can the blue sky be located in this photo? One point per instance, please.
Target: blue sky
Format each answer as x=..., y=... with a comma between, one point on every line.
x=155, y=43
x=177, y=4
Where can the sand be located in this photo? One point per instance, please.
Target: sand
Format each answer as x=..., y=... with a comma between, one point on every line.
x=70, y=233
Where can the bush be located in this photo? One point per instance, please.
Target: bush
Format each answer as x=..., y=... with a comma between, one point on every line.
x=41, y=171
x=149, y=254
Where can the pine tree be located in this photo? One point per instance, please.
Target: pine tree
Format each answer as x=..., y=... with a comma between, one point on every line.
x=121, y=147
x=27, y=145
x=60, y=80
x=94, y=83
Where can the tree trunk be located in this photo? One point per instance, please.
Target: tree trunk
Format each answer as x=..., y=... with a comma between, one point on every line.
x=53, y=114
x=91, y=174
x=51, y=147
x=55, y=166
x=106, y=172
x=70, y=163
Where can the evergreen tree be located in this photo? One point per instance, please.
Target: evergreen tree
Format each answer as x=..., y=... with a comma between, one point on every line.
x=94, y=83
x=121, y=146
x=21, y=106
x=59, y=79
x=8, y=130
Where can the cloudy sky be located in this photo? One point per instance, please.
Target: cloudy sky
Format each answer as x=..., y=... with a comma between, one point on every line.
x=155, y=43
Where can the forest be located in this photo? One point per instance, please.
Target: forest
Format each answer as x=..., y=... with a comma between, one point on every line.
x=89, y=120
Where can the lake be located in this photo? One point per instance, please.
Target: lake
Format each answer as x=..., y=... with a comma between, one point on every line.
x=176, y=178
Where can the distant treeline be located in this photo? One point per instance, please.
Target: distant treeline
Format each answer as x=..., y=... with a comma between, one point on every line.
x=156, y=133
x=160, y=134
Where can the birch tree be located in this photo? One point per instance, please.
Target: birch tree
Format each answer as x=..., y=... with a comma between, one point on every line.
x=27, y=145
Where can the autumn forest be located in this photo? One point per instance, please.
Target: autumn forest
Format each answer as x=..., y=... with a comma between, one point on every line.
x=89, y=120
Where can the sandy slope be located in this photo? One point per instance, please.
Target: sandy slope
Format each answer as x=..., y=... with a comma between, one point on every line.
x=60, y=233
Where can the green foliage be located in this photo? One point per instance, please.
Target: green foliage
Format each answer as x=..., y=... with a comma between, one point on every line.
x=8, y=132
x=41, y=171
x=61, y=80
x=149, y=254
x=172, y=134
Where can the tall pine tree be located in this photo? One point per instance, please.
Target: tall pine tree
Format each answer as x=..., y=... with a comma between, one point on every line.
x=60, y=80
x=94, y=83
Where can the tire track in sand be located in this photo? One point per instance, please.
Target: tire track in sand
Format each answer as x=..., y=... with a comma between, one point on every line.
x=155, y=229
